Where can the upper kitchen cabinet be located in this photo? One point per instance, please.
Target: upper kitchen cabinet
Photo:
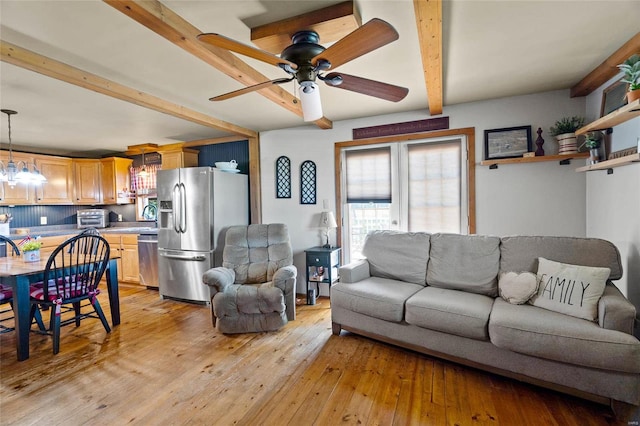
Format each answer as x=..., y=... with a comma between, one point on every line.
x=86, y=181
x=116, y=180
x=183, y=157
x=59, y=186
x=21, y=193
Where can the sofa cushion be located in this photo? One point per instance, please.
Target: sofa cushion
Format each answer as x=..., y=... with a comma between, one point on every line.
x=551, y=335
x=521, y=253
x=376, y=297
x=464, y=262
x=517, y=288
x=450, y=311
x=570, y=289
x=399, y=255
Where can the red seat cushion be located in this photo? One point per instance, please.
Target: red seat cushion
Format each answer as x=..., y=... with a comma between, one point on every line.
x=6, y=292
x=36, y=290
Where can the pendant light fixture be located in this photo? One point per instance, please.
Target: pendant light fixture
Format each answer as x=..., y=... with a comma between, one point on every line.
x=18, y=173
x=143, y=173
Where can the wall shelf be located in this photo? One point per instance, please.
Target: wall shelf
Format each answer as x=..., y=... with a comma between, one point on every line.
x=562, y=159
x=618, y=116
x=610, y=164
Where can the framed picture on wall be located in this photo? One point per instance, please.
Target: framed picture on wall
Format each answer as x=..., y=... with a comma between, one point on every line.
x=509, y=142
x=613, y=97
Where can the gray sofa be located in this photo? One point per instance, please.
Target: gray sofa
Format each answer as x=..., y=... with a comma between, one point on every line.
x=438, y=294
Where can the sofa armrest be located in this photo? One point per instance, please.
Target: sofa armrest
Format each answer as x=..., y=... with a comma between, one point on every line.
x=285, y=279
x=615, y=312
x=354, y=271
x=218, y=279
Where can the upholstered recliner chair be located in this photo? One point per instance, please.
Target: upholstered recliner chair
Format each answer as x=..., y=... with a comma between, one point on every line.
x=255, y=288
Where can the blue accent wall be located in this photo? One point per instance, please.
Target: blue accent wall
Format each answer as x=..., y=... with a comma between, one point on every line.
x=238, y=151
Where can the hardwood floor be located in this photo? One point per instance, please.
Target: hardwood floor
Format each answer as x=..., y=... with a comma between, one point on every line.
x=165, y=364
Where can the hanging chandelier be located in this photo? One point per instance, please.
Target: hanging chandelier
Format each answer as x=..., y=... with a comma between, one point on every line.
x=18, y=173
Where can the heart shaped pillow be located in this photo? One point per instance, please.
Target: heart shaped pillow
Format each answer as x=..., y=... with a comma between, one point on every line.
x=517, y=288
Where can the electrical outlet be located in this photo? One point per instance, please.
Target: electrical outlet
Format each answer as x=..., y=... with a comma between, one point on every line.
x=43, y=220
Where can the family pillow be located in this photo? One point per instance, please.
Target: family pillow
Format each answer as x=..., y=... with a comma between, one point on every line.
x=570, y=289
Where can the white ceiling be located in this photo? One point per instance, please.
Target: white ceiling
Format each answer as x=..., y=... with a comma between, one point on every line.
x=491, y=49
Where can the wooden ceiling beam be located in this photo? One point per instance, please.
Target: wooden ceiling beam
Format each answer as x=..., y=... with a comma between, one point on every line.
x=331, y=23
x=165, y=22
x=606, y=70
x=429, y=22
x=27, y=59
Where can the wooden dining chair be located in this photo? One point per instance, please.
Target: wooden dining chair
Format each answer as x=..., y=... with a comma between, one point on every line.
x=72, y=275
x=6, y=295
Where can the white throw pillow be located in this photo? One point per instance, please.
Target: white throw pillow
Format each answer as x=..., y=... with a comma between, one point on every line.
x=570, y=289
x=517, y=288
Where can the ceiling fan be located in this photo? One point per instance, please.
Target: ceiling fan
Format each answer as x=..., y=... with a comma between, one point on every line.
x=305, y=60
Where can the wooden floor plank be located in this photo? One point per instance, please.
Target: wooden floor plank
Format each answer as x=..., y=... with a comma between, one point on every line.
x=165, y=364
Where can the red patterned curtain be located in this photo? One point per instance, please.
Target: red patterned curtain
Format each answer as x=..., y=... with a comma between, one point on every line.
x=144, y=184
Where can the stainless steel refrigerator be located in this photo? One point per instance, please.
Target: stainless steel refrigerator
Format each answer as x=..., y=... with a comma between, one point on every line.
x=194, y=205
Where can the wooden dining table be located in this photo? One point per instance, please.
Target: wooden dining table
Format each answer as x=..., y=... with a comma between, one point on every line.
x=18, y=274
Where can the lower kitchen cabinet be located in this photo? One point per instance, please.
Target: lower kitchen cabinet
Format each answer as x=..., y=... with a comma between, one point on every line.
x=127, y=248
x=129, y=253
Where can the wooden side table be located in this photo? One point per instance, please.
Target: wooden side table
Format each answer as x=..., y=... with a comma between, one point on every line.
x=322, y=267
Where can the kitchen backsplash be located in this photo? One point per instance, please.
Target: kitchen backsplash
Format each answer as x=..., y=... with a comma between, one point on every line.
x=28, y=216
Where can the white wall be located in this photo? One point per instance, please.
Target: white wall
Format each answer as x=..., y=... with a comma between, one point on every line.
x=535, y=199
x=613, y=201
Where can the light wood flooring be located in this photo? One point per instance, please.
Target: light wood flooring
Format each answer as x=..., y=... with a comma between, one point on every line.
x=165, y=364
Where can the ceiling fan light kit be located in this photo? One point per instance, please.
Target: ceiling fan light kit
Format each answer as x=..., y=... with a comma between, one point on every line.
x=305, y=60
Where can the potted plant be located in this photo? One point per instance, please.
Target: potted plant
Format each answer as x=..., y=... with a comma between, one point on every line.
x=31, y=251
x=631, y=70
x=565, y=132
x=592, y=141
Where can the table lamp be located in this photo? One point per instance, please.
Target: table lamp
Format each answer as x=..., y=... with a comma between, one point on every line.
x=327, y=220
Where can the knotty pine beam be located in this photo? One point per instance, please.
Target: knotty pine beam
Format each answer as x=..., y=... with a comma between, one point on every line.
x=607, y=69
x=165, y=22
x=27, y=59
x=429, y=22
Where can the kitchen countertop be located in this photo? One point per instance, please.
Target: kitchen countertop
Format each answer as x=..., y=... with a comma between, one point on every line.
x=116, y=228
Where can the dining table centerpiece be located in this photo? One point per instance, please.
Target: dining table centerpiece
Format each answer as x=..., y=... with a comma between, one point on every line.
x=31, y=251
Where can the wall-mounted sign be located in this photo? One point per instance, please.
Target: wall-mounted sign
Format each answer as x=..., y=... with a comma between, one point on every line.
x=429, y=124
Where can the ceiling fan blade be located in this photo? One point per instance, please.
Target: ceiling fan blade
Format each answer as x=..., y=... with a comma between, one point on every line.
x=249, y=89
x=243, y=49
x=365, y=86
x=372, y=35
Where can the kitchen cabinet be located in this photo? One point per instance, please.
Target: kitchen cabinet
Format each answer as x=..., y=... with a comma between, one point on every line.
x=114, y=241
x=129, y=253
x=59, y=186
x=126, y=246
x=116, y=180
x=86, y=181
x=180, y=158
x=21, y=193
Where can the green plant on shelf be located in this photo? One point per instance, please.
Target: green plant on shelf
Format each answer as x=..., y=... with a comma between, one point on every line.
x=631, y=70
x=566, y=125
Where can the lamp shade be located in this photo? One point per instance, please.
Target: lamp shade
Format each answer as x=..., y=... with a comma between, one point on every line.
x=310, y=100
x=328, y=220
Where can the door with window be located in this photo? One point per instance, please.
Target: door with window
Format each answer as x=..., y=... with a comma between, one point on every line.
x=415, y=185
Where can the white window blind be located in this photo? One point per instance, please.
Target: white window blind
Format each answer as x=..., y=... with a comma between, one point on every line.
x=434, y=187
x=368, y=175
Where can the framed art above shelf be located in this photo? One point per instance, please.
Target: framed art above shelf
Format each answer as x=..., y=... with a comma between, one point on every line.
x=562, y=159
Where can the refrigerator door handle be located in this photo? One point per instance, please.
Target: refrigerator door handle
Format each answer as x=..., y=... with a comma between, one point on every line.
x=177, y=210
x=197, y=257
x=183, y=208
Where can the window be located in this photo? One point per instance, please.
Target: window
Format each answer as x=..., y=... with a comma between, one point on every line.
x=408, y=185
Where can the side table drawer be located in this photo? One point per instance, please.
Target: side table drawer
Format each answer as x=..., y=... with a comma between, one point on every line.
x=317, y=260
